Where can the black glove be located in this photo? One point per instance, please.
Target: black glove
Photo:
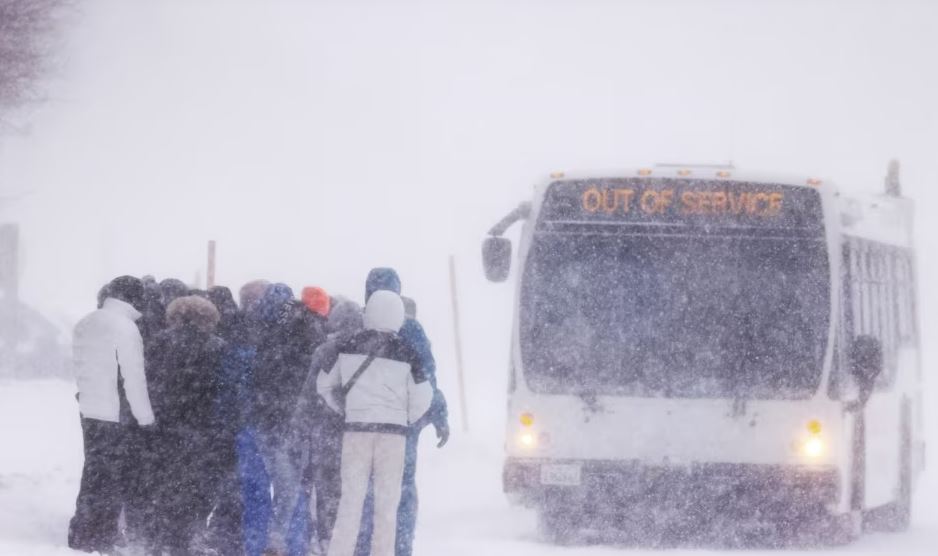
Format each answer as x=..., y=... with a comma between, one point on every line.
x=442, y=433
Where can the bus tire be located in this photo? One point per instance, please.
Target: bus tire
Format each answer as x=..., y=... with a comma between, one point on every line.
x=557, y=527
x=897, y=516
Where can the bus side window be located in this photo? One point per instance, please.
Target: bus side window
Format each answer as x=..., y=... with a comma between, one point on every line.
x=876, y=303
x=906, y=303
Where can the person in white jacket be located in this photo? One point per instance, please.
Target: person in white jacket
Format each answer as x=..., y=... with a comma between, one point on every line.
x=108, y=363
x=377, y=382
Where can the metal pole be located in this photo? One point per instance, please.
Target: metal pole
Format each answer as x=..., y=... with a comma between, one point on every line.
x=210, y=275
x=458, y=337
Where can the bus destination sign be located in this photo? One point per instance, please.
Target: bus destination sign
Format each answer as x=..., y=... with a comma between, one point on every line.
x=683, y=203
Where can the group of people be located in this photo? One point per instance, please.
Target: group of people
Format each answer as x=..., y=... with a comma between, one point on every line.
x=274, y=426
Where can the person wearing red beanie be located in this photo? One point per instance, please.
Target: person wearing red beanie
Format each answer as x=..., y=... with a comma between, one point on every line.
x=317, y=300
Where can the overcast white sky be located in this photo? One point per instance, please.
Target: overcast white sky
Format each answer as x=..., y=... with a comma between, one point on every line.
x=314, y=140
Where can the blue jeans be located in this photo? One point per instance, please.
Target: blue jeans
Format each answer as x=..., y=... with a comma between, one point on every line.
x=258, y=507
x=255, y=493
x=406, y=512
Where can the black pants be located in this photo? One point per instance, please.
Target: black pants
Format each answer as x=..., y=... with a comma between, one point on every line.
x=139, y=474
x=187, y=487
x=97, y=510
x=226, y=525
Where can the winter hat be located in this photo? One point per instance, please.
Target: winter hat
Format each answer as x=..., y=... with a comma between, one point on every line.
x=171, y=289
x=128, y=289
x=345, y=317
x=382, y=279
x=251, y=293
x=193, y=310
x=384, y=312
x=317, y=300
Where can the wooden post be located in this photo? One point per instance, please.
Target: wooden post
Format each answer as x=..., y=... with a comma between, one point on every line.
x=458, y=338
x=9, y=298
x=210, y=275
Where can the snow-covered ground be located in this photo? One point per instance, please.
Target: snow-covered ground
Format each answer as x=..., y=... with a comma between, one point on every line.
x=463, y=511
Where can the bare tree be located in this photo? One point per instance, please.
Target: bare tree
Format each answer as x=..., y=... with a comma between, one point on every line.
x=25, y=31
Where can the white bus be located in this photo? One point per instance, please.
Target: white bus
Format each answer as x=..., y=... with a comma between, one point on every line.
x=694, y=344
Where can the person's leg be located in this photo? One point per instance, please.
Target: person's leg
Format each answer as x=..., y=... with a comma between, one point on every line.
x=366, y=527
x=388, y=472
x=300, y=532
x=255, y=493
x=328, y=482
x=97, y=509
x=407, y=512
x=227, y=517
x=357, y=460
x=286, y=488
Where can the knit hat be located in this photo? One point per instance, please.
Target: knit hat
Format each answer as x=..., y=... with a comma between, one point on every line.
x=317, y=300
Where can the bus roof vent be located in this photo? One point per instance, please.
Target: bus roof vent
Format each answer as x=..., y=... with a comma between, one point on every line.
x=893, y=187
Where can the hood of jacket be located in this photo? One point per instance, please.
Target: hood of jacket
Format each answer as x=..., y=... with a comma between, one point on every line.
x=345, y=318
x=172, y=289
x=114, y=305
x=193, y=311
x=272, y=305
x=251, y=293
x=382, y=279
x=384, y=312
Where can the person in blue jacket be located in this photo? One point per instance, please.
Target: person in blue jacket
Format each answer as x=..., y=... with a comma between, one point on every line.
x=414, y=335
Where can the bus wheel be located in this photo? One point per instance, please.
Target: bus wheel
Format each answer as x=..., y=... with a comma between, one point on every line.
x=896, y=517
x=558, y=525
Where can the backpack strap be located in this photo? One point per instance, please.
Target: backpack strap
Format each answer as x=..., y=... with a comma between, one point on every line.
x=360, y=371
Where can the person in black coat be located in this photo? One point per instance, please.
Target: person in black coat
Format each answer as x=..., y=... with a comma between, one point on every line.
x=227, y=532
x=184, y=363
x=141, y=462
x=316, y=430
x=288, y=336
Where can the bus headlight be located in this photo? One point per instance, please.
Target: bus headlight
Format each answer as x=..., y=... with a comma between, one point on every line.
x=813, y=447
x=527, y=439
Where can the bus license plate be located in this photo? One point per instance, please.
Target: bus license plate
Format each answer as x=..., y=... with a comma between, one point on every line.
x=561, y=474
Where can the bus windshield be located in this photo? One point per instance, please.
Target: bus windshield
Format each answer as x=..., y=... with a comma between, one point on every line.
x=675, y=316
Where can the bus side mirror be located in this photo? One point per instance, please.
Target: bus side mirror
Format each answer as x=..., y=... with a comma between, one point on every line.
x=496, y=257
x=866, y=363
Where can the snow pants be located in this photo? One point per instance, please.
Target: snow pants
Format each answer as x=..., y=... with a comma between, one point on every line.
x=378, y=457
x=97, y=510
x=407, y=511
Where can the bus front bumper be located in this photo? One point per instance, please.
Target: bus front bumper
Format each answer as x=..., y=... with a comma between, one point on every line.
x=605, y=485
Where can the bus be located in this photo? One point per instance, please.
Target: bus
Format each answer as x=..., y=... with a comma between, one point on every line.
x=694, y=344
